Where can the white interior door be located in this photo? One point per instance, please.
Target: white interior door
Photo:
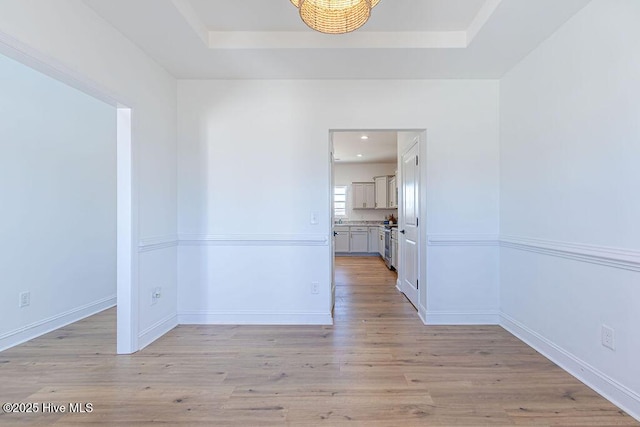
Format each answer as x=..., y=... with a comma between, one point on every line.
x=331, y=226
x=409, y=235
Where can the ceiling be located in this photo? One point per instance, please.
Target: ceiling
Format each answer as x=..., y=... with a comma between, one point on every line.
x=379, y=147
x=389, y=15
x=404, y=39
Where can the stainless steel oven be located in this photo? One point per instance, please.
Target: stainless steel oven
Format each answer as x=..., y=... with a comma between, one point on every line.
x=387, y=246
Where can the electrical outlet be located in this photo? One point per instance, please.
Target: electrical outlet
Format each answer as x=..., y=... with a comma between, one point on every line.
x=156, y=293
x=315, y=287
x=608, y=337
x=25, y=299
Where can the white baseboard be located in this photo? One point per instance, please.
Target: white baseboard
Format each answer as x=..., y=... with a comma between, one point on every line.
x=616, y=393
x=253, y=318
x=157, y=330
x=41, y=327
x=461, y=318
x=422, y=313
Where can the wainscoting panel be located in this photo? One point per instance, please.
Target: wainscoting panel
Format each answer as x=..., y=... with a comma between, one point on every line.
x=462, y=280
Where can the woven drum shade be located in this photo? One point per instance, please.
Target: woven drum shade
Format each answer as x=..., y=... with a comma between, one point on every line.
x=335, y=16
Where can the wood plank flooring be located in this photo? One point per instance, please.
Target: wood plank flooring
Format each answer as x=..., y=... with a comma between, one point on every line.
x=377, y=366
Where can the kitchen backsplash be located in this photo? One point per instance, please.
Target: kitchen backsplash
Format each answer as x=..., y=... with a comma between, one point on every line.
x=359, y=222
x=375, y=215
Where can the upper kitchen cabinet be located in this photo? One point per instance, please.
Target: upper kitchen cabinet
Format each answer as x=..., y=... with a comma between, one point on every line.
x=393, y=192
x=382, y=185
x=364, y=195
x=386, y=192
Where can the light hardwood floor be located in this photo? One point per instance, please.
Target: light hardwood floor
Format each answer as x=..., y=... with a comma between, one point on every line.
x=377, y=366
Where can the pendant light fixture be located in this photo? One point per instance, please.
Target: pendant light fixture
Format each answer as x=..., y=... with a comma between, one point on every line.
x=335, y=16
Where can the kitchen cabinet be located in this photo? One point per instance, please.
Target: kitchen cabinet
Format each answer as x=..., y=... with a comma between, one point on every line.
x=373, y=240
x=382, y=187
x=386, y=192
x=394, y=248
x=381, y=241
x=364, y=195
x=370, y=195
x=359, y=239
x=393, y=192
x=341, y=239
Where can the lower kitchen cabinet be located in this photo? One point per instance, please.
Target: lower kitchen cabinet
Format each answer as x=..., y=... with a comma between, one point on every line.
x=359, y=239
x=342, y=239
x=373, y=240
x=394, y=249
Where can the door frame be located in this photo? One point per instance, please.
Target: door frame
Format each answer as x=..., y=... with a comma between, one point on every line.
x=422, y=209
x=332, y=238
x=401, y=283
x=126, y=196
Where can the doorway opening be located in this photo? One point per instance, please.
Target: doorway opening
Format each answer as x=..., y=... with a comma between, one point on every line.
x=378, y=208
x=122, y=206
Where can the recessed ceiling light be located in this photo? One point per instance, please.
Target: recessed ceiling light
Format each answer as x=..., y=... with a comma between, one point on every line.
x=358, y=155
x=364, y=137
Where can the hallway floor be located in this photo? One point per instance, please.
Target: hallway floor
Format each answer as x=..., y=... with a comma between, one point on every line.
x=377, y=366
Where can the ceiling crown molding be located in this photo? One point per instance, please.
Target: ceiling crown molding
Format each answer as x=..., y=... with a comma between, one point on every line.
x=355, y=40
x=191, y=16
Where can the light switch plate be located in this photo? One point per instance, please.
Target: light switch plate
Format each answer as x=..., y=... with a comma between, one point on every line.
x=314, y=218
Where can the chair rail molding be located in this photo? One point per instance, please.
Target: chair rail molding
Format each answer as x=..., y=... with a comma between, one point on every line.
x=254, y=240
x=156, y=243
x=626, y=259
x=462, y=240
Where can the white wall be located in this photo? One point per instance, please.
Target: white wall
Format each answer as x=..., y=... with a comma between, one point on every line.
x=68, y=33
x=570, y=144
x=459, y=257
x=58, y=216
x=347, y=173
x=254, y=165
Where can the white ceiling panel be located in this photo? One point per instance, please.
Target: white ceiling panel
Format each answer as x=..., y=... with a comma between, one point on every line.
x=378, y=147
